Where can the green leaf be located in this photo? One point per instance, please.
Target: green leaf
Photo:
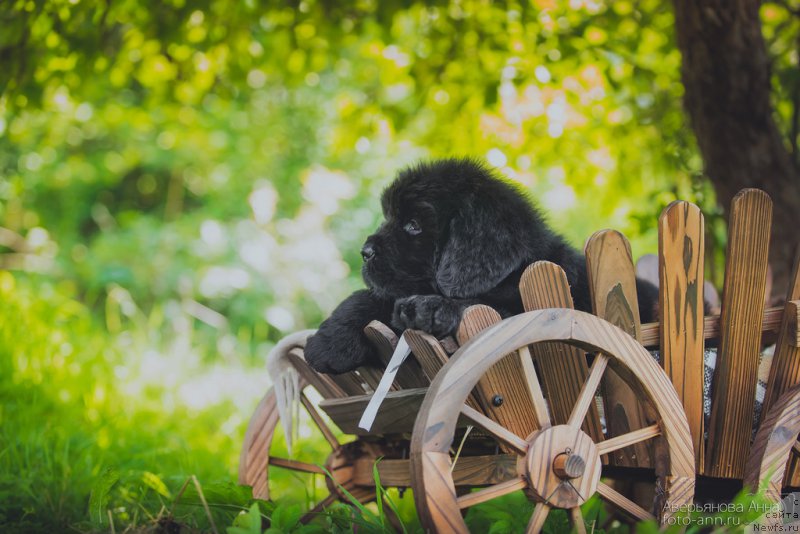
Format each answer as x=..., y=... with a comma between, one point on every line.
x=155, y=483
x=98, y=499
x=247, y=523
x=286, y=517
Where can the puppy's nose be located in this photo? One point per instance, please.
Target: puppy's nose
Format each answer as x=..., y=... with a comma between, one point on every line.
x=367, y=252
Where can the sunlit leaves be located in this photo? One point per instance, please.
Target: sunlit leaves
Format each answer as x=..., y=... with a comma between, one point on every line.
x=122, y=119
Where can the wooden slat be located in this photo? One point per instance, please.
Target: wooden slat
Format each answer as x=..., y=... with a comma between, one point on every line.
x=372, y=377
x=351, y=383
x=255, y=448
x=506, y=379
x=771, y=453
x=384, y=340
x=484, y=470
x=771, y=324
x=680, y=253
x=431, y=356
x=395, y=416
x=734, y=383
x=793, y=312
x=322, y=383
x=429, y=353
x=612, y=280
x=563, y=367
x=468, y=471
x=785, y=370
x=612, y=284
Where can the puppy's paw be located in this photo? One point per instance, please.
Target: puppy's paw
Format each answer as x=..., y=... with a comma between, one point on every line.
x=433, y=314
x=336, y=354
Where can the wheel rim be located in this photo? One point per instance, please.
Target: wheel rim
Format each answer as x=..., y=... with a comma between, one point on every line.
x=256, y=458
x=435, y=494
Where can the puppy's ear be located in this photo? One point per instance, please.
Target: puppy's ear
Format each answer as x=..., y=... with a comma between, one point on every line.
x=485, y=245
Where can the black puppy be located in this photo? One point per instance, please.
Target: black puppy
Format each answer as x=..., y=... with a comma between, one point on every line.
x=455, y=235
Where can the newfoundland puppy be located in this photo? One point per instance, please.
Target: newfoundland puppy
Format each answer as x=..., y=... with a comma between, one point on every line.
x=455, y=235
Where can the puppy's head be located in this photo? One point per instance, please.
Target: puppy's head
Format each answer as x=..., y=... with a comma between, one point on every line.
x=451, y=227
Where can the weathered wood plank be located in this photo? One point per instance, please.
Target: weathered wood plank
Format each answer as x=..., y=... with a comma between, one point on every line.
x=350, y=382
x=502, y=393
x=734, y=383
x=395, y=416
x=793, y=311
x=563, y=367
x=426, y=349
x=384, y=340
x=254, y=457
x=681, y=263
x=431, y=356
x=785, y=370
x=324, y=385
x=771, y=453
x=612, y=284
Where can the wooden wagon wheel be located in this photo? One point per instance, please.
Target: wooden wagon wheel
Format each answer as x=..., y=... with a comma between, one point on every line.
x=557, y=466
x=776, y=444
x=255, y=458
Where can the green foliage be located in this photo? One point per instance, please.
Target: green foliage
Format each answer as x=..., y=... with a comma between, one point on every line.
x=249, y=523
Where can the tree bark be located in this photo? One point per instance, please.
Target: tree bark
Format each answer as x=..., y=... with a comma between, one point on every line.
x=726, y=76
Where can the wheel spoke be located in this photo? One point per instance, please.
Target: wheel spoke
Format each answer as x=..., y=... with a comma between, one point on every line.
x=498, y=431
x=620, y=442
x=324, y=503
x=295, y=465
x=586, y=397
x=539, y=404
x=492, y=492
x=537, y=519
x=577, y=520
x=622, y=502
x=329, y=437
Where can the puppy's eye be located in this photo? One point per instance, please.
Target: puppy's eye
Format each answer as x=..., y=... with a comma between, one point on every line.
x=412, y=227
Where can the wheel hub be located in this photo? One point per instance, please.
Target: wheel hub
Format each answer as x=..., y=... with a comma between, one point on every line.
x=562, y=466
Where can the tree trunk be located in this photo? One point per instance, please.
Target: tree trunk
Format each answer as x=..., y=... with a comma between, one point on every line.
x=726, y=76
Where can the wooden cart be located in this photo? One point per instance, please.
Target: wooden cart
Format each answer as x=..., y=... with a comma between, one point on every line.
x=535, y=400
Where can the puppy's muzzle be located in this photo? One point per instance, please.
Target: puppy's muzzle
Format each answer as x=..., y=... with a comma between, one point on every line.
x=368, y=251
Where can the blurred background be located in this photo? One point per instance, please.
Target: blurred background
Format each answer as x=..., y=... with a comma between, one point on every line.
x=184, y=182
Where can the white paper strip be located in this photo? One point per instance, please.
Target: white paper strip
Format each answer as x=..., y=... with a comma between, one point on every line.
x=401, y=352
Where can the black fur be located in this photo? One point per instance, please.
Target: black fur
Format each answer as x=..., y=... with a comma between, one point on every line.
x=454, y=235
